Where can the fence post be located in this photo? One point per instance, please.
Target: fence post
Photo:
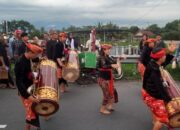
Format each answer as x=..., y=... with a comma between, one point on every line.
x=129, y=50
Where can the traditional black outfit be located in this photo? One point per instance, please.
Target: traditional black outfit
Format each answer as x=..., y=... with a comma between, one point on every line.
x=24, y=79
x=50, y=49
x=21, y=49
x=60, y=53
x=154, y=92
x=145, y=57
x=105, y=79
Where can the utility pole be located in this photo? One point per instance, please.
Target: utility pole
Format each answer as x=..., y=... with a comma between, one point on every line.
x=179, y=25
x=6, y=25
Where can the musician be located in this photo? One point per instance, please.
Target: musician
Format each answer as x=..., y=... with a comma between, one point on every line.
x=24, y=79
x=105, y=79
x=145, y=55
x=154, y=92
x=50, y=47
x=60, y=52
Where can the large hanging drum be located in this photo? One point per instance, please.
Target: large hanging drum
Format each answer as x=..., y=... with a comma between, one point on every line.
x=174, y=93
x=71, y=70
x=47, y=89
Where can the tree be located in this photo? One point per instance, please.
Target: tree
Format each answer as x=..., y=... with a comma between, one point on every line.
x=134, y=29
x=171, y=31
x=20, y=24
x=173, y=26
x=154, y=28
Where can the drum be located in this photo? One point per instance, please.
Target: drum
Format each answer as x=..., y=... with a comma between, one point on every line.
x=174, y=92
x=174, y=115
x=47, y=89
x=71, y=70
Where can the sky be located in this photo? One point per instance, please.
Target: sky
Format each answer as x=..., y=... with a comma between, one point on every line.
x=63, y=13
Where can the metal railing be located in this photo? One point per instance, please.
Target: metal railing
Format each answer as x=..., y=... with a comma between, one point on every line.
x=131, y=52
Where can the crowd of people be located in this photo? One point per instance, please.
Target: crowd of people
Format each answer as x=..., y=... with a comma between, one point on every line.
x=153, y=54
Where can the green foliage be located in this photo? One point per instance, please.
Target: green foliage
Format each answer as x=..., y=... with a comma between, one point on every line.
x=154, y=28
x=175, y=73
x=131, y=73
x=134, y=29
x=20, y=24
x=171, y=30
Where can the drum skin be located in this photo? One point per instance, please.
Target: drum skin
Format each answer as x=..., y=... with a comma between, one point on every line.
x=47, y=89
x=71, y=70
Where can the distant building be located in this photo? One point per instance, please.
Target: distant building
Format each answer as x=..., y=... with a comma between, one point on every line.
x=138, y=36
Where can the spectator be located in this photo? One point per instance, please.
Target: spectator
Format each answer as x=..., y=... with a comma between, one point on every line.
x=3, y=54
x=142, y=42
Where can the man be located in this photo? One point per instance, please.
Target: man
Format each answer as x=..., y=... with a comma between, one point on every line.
x=160, y=42
x=24, y=79
x=16, y=43
x=142, y=42
x=44, y=43
x=50, y=47
x=154, y=92
x=60, y=49
x=5, y=63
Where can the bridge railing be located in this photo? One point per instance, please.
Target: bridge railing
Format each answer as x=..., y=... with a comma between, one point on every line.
x=131, y=53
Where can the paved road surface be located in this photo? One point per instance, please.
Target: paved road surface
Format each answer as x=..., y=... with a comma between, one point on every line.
x=79, y=110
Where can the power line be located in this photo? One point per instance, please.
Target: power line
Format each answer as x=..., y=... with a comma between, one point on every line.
x=146, y=13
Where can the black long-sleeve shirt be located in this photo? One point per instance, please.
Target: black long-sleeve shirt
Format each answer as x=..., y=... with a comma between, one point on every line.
x=59, y=51
x=141, y=45
x=21, y=49
x=160, y=44
x=145, y=55
x=153, y=82
x=105, y=63
x=50, y=49
x=23, y=75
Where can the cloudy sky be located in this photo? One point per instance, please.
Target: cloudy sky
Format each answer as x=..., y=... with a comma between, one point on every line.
x=63, y=13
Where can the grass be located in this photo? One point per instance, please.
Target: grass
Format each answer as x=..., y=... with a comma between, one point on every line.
x=175, y=73
x=131, y=73
x=135, y=43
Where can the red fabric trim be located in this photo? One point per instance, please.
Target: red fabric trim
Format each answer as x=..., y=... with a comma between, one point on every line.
x=111, y=82
x=29, y=113
x=159, y=54
x=156, y=106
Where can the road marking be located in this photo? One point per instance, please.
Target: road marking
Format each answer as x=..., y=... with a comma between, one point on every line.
x=3, y=126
